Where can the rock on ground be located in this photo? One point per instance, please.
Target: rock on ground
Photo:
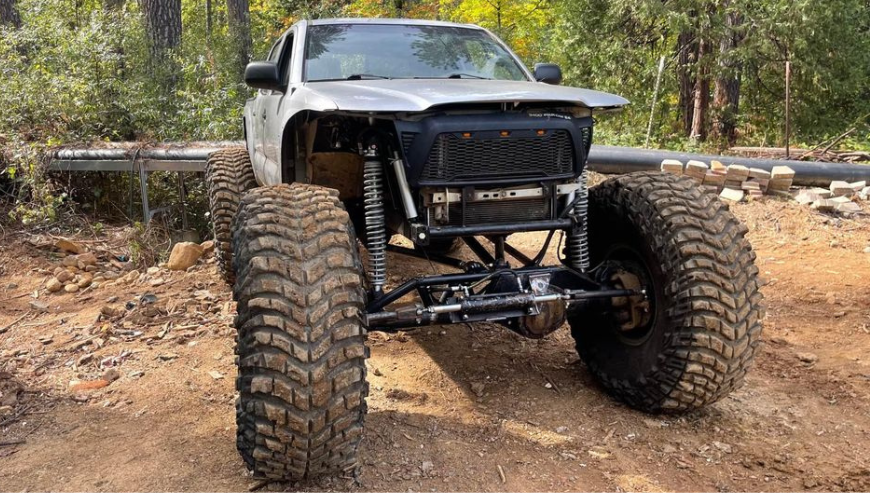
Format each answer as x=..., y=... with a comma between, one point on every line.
x=184, y=255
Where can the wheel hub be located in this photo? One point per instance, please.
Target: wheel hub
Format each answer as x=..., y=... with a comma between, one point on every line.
x=632, y=312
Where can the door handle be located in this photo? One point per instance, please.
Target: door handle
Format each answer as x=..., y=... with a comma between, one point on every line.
x=264, y=114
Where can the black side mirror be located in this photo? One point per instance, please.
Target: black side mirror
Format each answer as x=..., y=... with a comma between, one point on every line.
x=548, y=73
x=263, y=75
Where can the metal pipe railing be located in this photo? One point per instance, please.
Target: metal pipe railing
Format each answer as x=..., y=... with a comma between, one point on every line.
x=619, y=160
x=193, y=151
x=602, y=159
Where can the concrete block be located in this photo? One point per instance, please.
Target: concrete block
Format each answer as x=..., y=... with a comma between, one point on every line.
x=824, y=205
x=781, y=172
x=849, y=208
x=807, y=197
x=737, y=172
x=821, y=192
x=751, y=185
x=697, y=170
x=672, y=166
x=858, y=186
x=759, y=173
x=731, y=195
x=840, y=200
x=717, y=167
x=781, y=184
x=841, y=189
x=714, y=179
x=696, y=167
x=754, y=194
x=865, y=194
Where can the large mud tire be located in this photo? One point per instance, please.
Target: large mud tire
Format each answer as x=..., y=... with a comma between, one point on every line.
x=301, y=340
x=706, y=305
x=228, y=175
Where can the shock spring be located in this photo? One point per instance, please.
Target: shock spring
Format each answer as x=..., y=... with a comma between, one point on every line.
x=376, y=233
x=577, y=247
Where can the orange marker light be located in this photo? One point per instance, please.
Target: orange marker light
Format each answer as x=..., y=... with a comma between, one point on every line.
x=541, y=132
x=467, y=135
x=504, y=133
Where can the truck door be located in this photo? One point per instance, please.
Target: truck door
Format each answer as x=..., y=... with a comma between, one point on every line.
x=258, y=125
x=273, y=103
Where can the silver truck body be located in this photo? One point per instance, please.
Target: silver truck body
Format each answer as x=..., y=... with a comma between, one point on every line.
x=268, y=115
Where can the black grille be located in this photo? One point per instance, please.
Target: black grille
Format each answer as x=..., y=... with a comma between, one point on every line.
x=501, y=212
x=454, y=158
x=586, y=133
x=407, y=140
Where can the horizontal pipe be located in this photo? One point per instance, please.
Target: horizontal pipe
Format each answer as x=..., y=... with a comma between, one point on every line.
x=620, y=160
x=602, y=159
x=500, y=229
x=193, y=151
x=127, y=165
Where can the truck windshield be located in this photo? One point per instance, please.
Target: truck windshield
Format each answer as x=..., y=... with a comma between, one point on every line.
x=384, y=51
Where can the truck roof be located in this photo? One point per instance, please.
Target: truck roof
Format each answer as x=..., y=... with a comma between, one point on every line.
x=378, y=20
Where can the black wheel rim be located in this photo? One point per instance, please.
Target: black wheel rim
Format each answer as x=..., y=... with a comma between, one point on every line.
x=629, y=259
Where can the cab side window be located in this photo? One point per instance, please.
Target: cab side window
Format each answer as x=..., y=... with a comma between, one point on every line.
x=275, y=52
x=285, y=60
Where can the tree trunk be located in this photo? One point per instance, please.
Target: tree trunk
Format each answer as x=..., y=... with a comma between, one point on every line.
x=208, y=22
x=702, y=94
x=687, y=56
x=9, y=14
x=239, y=17
x=726, y=99
x=163, y=25
x=113, y=5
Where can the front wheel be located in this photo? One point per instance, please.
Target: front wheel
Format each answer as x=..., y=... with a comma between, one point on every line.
x=301, y=340
x=691, y=342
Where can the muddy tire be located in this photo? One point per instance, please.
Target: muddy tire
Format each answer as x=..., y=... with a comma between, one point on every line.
x=706, y=308
x=228, y=175
x=301, y=340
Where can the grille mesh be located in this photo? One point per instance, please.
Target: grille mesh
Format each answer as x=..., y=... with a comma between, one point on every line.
x=501, y=212
x=454, y=158
x=407, y=140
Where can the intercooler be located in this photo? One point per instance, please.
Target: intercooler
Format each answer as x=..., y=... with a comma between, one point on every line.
x=500, y=212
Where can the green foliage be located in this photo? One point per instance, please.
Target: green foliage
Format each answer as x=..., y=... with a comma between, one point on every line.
x=77, y=72
x=615, y=46
x=88, y=77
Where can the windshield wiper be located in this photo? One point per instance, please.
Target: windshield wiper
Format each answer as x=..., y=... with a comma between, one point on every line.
x=366, y=76
x=472, y=76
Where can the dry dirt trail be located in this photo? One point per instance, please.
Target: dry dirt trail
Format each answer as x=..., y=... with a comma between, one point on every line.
x=450, y=406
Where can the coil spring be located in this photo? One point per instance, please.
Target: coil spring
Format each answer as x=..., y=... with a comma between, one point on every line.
x=376, y=232
x=577, y=247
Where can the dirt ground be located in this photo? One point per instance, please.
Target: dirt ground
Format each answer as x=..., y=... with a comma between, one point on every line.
x=451, y=408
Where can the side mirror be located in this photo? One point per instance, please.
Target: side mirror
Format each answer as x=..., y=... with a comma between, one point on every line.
x=548, y=73
x=263, y=75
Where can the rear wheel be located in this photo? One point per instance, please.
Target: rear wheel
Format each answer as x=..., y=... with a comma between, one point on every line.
x=301, y=340
x=228, y=175
x=693, y=340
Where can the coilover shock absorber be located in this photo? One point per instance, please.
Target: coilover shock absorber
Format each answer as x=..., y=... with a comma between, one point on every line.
x=577, y=246
x=376, y=230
